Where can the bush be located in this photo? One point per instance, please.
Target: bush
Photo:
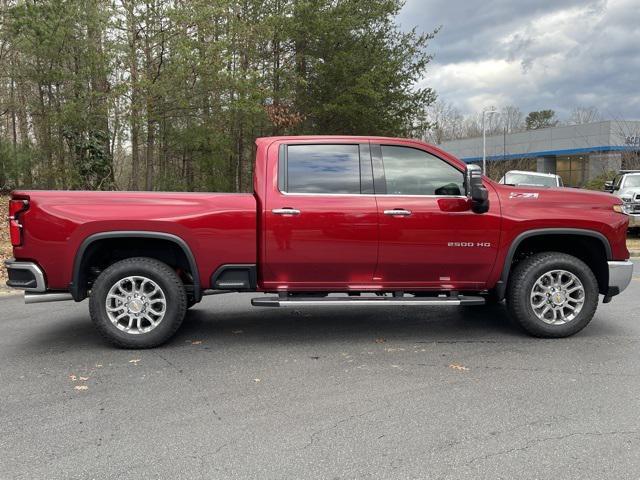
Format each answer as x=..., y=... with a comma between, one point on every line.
x=598, y=182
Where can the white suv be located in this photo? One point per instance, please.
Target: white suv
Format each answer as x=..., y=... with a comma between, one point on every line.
x=531, y=179
x=626, y=185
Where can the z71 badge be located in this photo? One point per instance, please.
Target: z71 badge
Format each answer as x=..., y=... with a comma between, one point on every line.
x=523, y=195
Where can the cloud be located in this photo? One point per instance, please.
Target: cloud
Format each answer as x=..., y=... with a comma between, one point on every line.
x=535, y=54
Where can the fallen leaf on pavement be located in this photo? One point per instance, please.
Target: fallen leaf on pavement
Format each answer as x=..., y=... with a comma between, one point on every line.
x=134, y=361
x=196, y=342
x=256, y=380
x=81, y=387
x=379, y=340
x=457, y=366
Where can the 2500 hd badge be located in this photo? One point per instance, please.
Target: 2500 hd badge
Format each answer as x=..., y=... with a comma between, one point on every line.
x=469, y=244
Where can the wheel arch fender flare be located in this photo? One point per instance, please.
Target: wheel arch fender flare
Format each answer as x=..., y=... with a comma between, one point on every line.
x=501, y=287
x=76, y=289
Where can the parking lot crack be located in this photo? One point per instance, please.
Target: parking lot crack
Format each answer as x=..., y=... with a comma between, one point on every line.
x=316, y=433
x=533, y=443
x=189, y=380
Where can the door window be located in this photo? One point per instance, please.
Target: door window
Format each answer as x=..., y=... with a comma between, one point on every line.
x=409, y=171
x=322, y=169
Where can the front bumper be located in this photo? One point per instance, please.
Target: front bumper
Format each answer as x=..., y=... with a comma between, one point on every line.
x=634, y=220
x=620, y=274
x=26, y=276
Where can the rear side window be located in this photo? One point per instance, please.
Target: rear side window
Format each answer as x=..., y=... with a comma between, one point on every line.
x=322, y=169
x=409, y=171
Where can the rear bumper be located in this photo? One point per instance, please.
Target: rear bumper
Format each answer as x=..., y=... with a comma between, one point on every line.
x=620, y=274
x=26, y=276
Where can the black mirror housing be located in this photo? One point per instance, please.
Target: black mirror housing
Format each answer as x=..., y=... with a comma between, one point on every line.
x=608, y=186
x=476, y=191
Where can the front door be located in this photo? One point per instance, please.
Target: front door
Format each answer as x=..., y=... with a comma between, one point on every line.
x=320, y=220
x=428, y=235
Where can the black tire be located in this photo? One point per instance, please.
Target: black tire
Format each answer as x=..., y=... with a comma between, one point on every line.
x=521, y=283
x=170, y=286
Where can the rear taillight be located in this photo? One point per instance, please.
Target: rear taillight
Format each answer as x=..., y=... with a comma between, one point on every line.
x=16, y=207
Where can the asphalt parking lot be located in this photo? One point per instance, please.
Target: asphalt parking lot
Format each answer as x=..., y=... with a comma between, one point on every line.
x=243, y=392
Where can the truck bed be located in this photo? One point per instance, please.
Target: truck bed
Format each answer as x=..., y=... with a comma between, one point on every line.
x=57, y=223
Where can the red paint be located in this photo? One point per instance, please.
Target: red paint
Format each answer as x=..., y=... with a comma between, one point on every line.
x=218, y=228
x=337, y=243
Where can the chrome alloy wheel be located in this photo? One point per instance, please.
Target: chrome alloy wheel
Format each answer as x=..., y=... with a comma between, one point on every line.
x=136, y=304
x=557, y=297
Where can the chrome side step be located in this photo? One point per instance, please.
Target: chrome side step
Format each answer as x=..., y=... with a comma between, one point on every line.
x=46, y=297
x=283, y=301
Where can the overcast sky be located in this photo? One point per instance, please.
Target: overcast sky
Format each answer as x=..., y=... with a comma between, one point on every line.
x=534, y=54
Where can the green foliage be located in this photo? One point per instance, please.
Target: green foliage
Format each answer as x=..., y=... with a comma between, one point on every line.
x=159, y=94
x=56, y=63
x=597, y=183
x=362, y=71
x=541, y=119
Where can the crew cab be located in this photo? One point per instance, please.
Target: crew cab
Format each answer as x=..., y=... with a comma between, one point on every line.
x=333, y=221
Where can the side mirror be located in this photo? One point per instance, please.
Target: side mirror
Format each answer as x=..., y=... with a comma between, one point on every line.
x=476, y=191
x=608, y=186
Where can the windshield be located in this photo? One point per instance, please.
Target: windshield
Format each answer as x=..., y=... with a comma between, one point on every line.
x=529, y=179
x=632, y=181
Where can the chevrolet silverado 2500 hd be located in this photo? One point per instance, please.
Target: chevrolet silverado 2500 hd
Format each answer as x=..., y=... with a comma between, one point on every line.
x=377, y=221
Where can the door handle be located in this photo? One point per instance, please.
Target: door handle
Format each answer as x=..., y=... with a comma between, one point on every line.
x=285, y=211
x=398, y=212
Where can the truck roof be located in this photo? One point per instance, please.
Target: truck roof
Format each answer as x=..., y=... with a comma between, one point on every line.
x=335, y=137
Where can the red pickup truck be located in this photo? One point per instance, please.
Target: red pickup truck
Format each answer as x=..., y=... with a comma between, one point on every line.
x=332, y=221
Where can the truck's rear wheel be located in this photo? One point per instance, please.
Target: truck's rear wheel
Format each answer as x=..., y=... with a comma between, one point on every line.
x=552, y=294
x=138, y=303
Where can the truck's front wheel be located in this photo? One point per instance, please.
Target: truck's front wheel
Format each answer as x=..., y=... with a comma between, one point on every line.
x=552, y=294
x=138, y=303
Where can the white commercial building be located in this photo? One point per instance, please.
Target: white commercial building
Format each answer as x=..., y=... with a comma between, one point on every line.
x=578, y=153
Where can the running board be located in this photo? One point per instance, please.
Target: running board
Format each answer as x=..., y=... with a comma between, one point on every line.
x=46, y=297
x=364, y=301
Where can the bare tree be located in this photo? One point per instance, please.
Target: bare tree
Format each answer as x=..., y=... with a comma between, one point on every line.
x=447, y=123
x=512, y=119
x=581, y=115
x=507, y=120
x=473, y=125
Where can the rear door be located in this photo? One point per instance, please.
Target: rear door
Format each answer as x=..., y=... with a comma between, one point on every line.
x=320, y=220
x=429, y=237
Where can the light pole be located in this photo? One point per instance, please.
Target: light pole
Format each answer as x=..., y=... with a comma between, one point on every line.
x=490, y=111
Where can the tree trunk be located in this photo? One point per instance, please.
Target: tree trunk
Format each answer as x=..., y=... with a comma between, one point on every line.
x=135, y=111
